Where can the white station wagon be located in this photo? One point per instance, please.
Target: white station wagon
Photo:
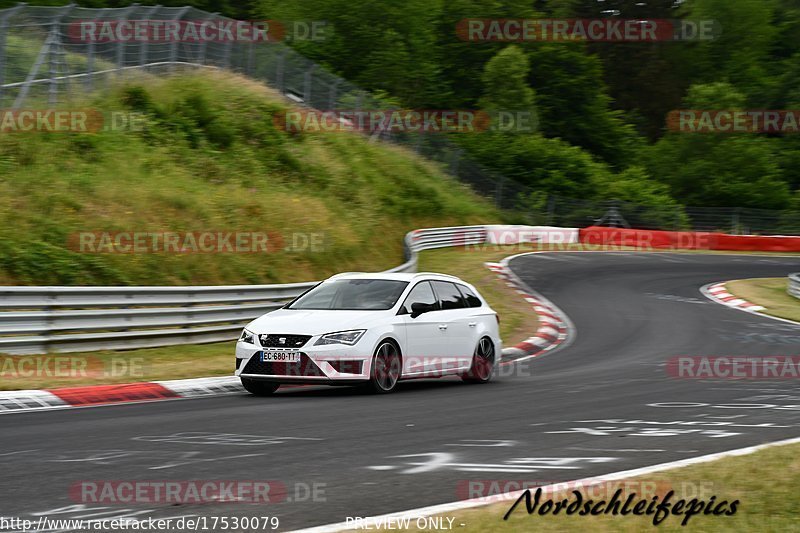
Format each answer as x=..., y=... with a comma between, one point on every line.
x=375, y=329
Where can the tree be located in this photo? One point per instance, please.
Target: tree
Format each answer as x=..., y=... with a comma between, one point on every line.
x=573, y=105
x=741, y=52
x=719, y=169
x=505, y=81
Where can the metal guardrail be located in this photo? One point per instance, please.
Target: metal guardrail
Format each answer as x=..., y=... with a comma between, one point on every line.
x=794, y=285
x=37, y=320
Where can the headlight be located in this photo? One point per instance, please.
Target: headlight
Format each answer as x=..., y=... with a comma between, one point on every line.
x=247, y=337
x=341, y=337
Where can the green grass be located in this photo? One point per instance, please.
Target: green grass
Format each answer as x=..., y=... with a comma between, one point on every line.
x=769, y=293
x=766, y=484
x=210, y=158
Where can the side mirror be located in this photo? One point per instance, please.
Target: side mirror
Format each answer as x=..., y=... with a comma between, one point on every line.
x=418, y=308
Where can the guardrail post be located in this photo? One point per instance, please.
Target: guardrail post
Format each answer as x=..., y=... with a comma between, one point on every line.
x=794, y=285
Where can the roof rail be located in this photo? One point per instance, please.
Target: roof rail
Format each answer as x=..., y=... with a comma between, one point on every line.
x=340, y=274
x=436, y=274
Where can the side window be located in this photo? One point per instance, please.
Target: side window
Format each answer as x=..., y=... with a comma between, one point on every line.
x=471, y=298
x=449, y=297
x=420, y=294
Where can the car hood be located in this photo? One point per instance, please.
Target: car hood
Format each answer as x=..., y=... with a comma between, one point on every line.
x=313, y=322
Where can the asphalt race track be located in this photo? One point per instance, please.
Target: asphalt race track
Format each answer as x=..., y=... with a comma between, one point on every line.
x=601, y=403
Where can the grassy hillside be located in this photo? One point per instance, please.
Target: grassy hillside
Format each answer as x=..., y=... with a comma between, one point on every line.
x=209, y=158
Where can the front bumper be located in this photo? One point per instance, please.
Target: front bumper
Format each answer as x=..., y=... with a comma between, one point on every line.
x=333, y=362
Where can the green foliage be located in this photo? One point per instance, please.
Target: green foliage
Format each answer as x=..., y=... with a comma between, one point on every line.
x=740, y=53
x=590, y=99
x=719, y=169
x=600, y=107
x=505, y=82
x=210, y=158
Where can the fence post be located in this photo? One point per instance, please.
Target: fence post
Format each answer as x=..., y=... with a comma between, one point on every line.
x=333, y=93
x=89, y=82
x=359, y=100
x=551, y=209
x=143, y=47
x=173, y=54
x=455, y=159
x=498, y=193
x=280, y=72
x=26, y=85
x=251, y=59
x=52, y=69
x=735, y=222
x=3, y=29
x=226, y=55
x=60, y=60
x=203, y=44
x=121, y=43
x=307, y=77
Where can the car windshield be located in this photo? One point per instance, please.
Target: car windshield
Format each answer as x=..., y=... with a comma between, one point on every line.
x=352, y=294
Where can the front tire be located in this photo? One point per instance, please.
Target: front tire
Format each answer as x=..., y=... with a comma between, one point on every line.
x=482, y=363
x=386, y=365
x=258, y=387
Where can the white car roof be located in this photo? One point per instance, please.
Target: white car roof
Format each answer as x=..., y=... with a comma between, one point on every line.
x=397, y=276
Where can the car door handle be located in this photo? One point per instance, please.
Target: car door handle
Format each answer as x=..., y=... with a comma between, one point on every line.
x=442, y=326
x=473, y=324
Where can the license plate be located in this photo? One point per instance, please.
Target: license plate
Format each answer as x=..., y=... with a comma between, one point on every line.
x=280, y=357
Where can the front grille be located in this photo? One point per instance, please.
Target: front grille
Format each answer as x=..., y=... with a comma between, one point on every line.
x=305, y=368
x=273, y=340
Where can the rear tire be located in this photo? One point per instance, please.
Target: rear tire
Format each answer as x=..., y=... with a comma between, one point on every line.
x=386, y=367
x=258, y=387
x=482, y=363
